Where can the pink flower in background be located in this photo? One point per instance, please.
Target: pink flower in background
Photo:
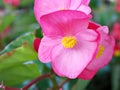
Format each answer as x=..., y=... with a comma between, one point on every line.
x=103, y=54
x=43, y=7
x=5, y=32
x=67, y=43
x=116, y=31
x=14, y=3
x=117, y=50
x=117, y=7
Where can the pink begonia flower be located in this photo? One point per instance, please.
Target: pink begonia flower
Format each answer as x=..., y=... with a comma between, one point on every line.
x=14, y=3
x=67, y=43
x=116, y=31
x=43, y=7
x=36, y=43
x=103, y=55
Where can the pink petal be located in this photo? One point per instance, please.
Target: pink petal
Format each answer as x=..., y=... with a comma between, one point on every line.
x=43, y=7
x=45, y=48
x=71, y=62
x=85, y=2
x=75, y=4
x=57, y=72
x=77, y=26
x=93, y=25
x=60, y=89
x=108, y=43
x=88, y=34
x=85, y=9
x=103, y=29
x=87, y=74
x=66, y=22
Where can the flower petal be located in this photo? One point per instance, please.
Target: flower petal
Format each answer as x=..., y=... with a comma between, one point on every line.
x=85, y=9
x=71, y=62
x=103, y=29
x=42, y=7
x=75, y=4
x=87, y=74
x=67, y=21
x=45, y=48
x=93, y=25
x=88, y=34
x=85, y=2
x=108, y=43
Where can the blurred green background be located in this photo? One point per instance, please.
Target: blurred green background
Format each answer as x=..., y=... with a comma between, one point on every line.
x=18, y=60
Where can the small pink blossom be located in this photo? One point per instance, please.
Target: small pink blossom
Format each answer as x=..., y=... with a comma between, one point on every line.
x=103, y=54
x=116, y=31
x=43, y=7
x=67, y=43
x=14, y=3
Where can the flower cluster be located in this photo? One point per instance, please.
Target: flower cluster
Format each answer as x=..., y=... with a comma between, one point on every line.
x=117, y=7
x=75, y=46
x=116, y=33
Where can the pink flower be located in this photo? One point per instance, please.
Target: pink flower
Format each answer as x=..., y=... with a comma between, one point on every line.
x=67, y=43
x=43, y=7
x=117, y=7
x=103, y=54
x=116, y=31
x=14, y=3
x=117, y=50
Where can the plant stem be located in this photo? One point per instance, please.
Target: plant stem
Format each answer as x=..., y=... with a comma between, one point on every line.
x=36, y=80
x=55, y=85
x=62, y=83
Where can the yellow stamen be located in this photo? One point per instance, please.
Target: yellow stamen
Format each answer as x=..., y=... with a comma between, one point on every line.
x=69, y=42
x=62, y=8
x=100, y=51
x=117, y=53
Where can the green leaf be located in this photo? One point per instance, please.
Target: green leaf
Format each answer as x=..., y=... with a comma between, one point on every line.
x=116, y=77
x=26, y=2
x=26, y=38
x=18, y=65
x=6, y=21
x=23, y=23
x=80, y=85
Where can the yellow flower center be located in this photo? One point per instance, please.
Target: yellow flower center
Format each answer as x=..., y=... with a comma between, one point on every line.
x=117, y=53
x=100, y=51
x=69, y=42
x=62, y=8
